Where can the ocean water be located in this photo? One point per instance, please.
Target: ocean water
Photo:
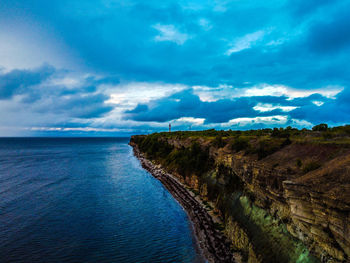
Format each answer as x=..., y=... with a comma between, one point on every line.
x=86, y=200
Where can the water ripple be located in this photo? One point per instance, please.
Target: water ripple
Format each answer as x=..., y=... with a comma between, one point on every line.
x=86, y=200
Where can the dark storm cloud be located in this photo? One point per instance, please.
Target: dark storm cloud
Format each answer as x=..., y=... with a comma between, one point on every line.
x=88, y=106
x=331, y=36
x=187, y=104
x=44, y=96
x=301, y=7
x=333, y=111
x=19, y=81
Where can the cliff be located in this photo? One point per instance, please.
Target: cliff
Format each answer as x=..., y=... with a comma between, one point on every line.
x=283, y=196
x=214, y=245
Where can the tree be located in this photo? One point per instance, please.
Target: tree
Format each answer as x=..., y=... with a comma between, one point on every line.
x=320, y=127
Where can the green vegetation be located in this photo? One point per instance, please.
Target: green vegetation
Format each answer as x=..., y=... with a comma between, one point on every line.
x=153, y=146
x=218, y=142
x=242, y=140
x=310, y=166
x=320, y=127
x=219, y=226
x=240, y=143
x=299, y=163
x=191, y=160
x=184, y=160
x=269, y=146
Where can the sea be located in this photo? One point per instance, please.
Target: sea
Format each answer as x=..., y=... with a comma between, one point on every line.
x=86, y=200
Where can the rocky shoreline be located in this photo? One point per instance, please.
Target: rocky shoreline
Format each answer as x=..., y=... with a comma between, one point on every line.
x=214, y=244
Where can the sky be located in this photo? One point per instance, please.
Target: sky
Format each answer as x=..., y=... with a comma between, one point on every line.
x=122, y=67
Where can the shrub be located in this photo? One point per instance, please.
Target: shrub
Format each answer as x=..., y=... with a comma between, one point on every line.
x=281, y=133
x=286, y=142
x=266, y=147
x=299, y=163
x=218, y=142
x=240, y=143
x=320, y=127
x=327, y=135
x=190, y=160
x=311, y=166
x=275, y=132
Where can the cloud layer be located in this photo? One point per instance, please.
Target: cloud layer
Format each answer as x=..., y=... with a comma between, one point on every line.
x=133, y=65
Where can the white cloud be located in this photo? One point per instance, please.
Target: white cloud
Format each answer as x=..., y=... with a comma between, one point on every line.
x=211, y=94
x=223, y=91
x=128, y=95
x=190, y=120
x=276, y=42
x=281, y=90
x=318, y=103
x=170, y=33
x=266, y=90
x=301, y=123
x=245, y=42
x=83, y=129
x=264, y=107
x=68, y=81
x=205, y=24
x=330, y=91
x=270, y=120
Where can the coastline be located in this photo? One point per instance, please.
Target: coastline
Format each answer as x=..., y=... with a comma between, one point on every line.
x=213, y=243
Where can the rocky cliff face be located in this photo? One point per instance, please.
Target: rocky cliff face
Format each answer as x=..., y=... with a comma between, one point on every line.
x=292, y=205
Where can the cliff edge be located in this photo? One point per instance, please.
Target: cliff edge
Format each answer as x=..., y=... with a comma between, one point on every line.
x=283, y=195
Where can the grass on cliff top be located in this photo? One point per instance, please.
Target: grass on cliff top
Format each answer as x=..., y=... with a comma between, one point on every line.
x=319, y=134
x=188, y=152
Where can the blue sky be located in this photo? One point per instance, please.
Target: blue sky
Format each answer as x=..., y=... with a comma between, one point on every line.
x=105, y=67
